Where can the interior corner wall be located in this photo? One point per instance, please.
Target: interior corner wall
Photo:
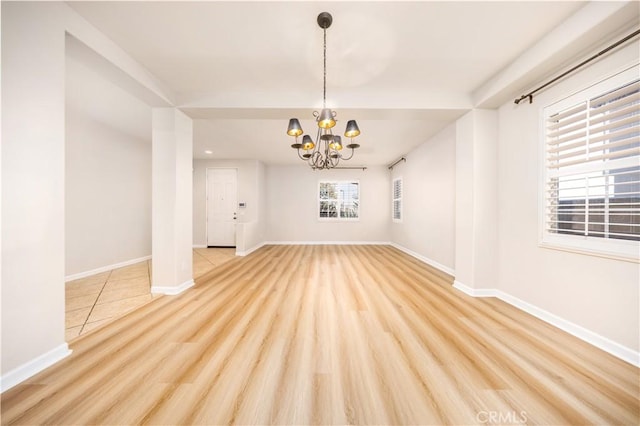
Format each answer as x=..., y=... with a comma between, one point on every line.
x=108, y=173
x=428, y=199
x=599, y=294
x=248, y=192
x=293, y=206
x=263, y=195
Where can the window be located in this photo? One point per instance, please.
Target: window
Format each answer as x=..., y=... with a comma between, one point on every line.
x=396, y=207
x=339, y=200
x=592, y=169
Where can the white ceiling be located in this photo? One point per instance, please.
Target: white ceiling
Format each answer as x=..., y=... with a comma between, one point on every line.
x=404, y=70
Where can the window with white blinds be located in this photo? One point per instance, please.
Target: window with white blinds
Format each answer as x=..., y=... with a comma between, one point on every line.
x=339, y=200
x=396, y=207
x=592, y=168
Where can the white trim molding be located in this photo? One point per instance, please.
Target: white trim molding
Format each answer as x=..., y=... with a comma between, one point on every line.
x=172, y=291
x=251, y=250
x=327, y=243
x=426, y=260
x=601, y=342
x=33, y=367
x=481, y=292
x=195, y=246
x=105, y=268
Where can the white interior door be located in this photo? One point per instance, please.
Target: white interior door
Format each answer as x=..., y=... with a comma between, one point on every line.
x=222, y=202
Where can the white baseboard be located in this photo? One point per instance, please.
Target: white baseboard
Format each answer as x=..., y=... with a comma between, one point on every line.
x=479, y=292
x=601, y=342
x=424, y=259
x=328, y=243
x=172, y=291
x=105, y=268
x=251, y=250
x=31, y=368
x=199, y=246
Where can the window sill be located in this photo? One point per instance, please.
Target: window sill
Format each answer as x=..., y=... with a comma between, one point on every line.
x=626, y=251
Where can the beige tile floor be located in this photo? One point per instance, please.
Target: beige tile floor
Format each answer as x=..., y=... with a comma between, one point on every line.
x=96, y=300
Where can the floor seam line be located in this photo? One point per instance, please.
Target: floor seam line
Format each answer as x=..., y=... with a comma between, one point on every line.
x=95, y=303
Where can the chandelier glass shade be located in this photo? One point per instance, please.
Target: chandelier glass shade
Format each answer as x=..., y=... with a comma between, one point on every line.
x=326, y=151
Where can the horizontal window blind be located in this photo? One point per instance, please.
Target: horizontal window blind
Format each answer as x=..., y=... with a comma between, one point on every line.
x=593, y=166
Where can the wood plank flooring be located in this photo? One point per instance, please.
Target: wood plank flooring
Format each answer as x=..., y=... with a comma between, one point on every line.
x=328, y=335
x=96, y=300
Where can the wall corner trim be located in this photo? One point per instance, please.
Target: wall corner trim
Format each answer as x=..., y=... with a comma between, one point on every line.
x=172, y=291
x=481, y=292
x=601, y=342
x=33, y=367
x=426, y=260
x=251, y=250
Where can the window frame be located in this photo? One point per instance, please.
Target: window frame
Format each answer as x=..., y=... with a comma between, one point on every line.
x=398, y=199
x=619, y=249
x=338, y=218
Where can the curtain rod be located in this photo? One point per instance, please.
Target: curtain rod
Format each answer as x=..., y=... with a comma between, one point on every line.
x=396, y=162
x=581, y=64
x=363, y=168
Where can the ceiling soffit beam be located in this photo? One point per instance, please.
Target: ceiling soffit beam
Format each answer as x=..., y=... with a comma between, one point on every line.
x=588, y=30
x=355, y=99
x=101, y=45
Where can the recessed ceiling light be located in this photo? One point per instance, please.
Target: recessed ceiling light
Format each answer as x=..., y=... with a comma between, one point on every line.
x=208, y=152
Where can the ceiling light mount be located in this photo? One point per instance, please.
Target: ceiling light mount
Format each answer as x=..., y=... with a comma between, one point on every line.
x=325, y=20
x=324, y=153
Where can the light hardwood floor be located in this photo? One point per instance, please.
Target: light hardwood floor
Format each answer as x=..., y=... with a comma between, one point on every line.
x=96, y=300
x=328, y=335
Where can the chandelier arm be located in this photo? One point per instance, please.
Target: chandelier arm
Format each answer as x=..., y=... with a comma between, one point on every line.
x=317, y=162
x=301, y=157
x=333, y=161
x=349, y=158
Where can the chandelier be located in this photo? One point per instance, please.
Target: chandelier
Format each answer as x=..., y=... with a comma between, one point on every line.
x=326, y=151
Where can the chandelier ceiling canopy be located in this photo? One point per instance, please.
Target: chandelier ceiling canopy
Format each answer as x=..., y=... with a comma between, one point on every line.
x=326, y=151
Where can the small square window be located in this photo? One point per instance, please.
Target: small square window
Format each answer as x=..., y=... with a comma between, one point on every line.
x=339, y=200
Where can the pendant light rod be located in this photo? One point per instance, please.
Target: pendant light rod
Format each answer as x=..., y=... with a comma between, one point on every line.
x=324, y=82
x=324, y=21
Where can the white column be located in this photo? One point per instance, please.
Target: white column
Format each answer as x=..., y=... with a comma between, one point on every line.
x=172, y=206
x=476, y=201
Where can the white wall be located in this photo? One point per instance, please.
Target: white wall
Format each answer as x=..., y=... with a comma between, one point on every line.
x=33, y=176
x=428, y=223
x=108, y=172
x=293, y=205
x=601, y=295
x=33, y=77
x=251, y=190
